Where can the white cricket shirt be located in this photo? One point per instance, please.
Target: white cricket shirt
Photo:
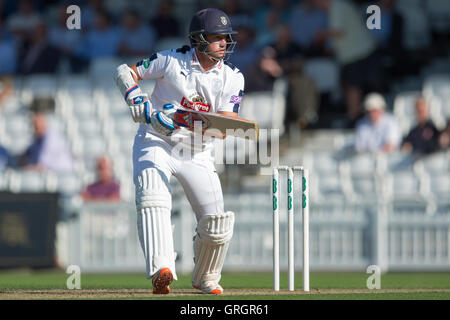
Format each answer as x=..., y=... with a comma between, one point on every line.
x=182, y=81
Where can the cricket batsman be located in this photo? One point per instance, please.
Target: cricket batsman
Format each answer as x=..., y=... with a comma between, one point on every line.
x=196, y=77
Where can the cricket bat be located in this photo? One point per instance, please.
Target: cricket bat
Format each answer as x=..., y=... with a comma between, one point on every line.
x=239, y=127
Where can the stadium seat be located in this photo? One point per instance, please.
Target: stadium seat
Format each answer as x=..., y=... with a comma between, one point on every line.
x=365, y=187
x=88, y=128
x=402, y=185
x=266, y=108
x=396, y=161
x=80, y=84
x=40, y=85
x=434, y=164
x=93, y=148
x=404, y=109
x=436, y=84
x=69, y=184
x=322, y=162
x=83, y=107
x=361, y=164
x=31, y=181
x=124, y=126
x=19, y=124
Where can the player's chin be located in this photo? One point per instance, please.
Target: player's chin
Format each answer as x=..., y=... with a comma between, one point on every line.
x=219, y=54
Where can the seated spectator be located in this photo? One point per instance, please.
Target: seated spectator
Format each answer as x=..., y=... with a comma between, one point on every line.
x=105, y=188
x=378, y=130
x=7, y=51
x=39, y=56
x=136, y=39
x=246, y=52
x=24, y=21
x=65, y=40
x=101, y=41
x=306, y=21
x=354, y=48
x=423, y=138
x=48, y=150
x=444, y=137
x=6, y=160
x=165, y=23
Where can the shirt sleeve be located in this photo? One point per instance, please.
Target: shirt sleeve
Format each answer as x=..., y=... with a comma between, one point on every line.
x=153, y=67
x=233, y=93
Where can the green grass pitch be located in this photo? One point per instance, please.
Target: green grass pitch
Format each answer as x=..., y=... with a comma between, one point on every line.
x=324, y=285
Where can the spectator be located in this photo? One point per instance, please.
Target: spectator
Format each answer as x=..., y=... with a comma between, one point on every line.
x=306, y=21
x=262, y=74
x=6, y=160
x=48, y=151
x=65, y=40
x=89, y=13
x=165, y=23
x=302, y=95
x=378, y=130
x=444, y=137
x=102, y=41
x=136, y=39
x=268, y=19
x=354, y=48
x=7, y=51
x=6, y=89
x=423, y=138
x=246, y=51
x=39, y=56
x=24, y=21
x=105, y=188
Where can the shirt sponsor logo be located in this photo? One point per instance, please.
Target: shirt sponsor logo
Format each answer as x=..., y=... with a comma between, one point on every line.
x=196, y=105
x=236, y=99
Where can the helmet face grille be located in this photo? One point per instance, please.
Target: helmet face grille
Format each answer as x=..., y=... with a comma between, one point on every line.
x=198, y=41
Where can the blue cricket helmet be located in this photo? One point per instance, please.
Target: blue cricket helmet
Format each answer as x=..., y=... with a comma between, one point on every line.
x=211, y=21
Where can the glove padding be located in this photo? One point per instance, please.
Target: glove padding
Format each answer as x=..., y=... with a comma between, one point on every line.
x=140, y=108
x=163, y=121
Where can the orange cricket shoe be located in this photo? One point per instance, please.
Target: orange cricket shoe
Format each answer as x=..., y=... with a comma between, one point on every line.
x=210, y=288
x=161, y=281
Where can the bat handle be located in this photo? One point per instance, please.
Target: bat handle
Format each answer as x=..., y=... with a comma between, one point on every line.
x=147, y=112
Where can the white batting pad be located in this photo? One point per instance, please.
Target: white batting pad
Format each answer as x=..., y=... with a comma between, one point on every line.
x=214, y=233
x=153, y=202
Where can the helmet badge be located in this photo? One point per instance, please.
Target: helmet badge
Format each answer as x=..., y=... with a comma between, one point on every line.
x=224, y=20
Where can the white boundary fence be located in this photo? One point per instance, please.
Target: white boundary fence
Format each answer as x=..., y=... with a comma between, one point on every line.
x=103, y=237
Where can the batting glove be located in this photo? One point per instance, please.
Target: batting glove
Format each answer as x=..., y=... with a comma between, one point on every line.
x=162, y=121
x=140, y=108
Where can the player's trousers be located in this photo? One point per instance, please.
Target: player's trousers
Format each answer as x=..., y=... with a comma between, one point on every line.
x=154, y=163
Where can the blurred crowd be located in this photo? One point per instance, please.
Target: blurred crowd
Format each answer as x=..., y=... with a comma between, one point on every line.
x=276, y=39
x=35, y=39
